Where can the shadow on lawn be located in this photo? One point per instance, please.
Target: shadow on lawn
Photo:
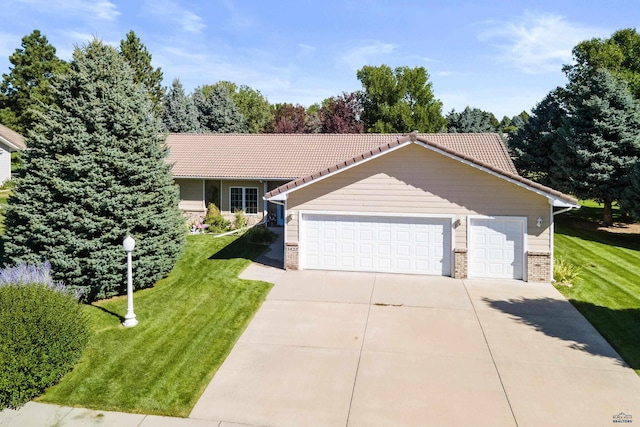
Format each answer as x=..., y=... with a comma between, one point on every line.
x=555, y=318
x=239, y=248
x=588, y=230
x=112, y=313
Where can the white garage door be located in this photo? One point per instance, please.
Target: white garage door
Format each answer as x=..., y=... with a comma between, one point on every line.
x=379, y=244
x=496, y=247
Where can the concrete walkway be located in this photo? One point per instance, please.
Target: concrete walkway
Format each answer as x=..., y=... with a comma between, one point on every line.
x=360, y=349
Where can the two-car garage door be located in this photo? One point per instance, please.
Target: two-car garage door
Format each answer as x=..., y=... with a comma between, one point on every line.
x=376, y=243
x=411, y=245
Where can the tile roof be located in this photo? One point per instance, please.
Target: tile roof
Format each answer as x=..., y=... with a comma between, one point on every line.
x=12, y=137
x=428, y=140
x=291, y=156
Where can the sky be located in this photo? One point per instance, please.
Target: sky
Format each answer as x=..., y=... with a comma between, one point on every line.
x=499, y=56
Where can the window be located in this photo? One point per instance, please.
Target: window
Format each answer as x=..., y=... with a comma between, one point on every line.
x=243, y=198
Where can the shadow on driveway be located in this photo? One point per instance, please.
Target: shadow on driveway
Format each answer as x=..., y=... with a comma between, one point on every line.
x=549, y=316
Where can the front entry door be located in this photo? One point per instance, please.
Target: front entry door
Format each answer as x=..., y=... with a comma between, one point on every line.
x=280, y=215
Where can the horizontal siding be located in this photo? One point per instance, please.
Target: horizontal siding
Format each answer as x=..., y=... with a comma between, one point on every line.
x=190, y=194
x=414, y=180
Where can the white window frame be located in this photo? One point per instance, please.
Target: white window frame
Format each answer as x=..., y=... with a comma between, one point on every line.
x=244, y=198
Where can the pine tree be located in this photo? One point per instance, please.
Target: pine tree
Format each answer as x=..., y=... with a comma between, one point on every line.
x=217, y=112
x=599, y=140
x=532, y=144
x=136, y=54
x=94, y=173
x=29, y=85
x=471, y=120
x=180, y=115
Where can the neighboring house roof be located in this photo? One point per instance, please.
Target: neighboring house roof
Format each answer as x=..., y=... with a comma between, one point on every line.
x=426, y=140
x=11, y=138
x=291, y=156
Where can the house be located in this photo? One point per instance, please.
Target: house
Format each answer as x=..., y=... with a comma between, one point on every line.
x=10, y=141
x=434, y=204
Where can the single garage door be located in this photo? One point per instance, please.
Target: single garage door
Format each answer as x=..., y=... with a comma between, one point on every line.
x=496, y=248
x=378, y=244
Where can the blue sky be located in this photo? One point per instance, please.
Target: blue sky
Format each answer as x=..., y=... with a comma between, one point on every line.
x=500, y=56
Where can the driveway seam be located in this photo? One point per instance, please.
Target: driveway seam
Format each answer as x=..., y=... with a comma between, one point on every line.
x=484, y=336
x=364, y=333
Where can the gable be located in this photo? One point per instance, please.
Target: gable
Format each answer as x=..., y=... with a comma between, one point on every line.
x=555, y=197
x=411, y=179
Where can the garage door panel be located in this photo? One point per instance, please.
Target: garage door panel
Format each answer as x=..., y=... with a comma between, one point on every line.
x=384, y=244
x=496, y=248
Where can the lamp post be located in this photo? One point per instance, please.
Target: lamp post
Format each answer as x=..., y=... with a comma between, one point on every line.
x=130, y=319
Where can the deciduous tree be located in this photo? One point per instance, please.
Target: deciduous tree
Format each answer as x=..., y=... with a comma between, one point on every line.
x=399, y=100
x=289, y=118
x=29, y=85
x=95, y=172
x=341, y=114
x=620, y=54
x=252, y=105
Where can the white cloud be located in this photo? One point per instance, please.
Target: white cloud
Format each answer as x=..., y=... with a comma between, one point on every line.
x=538, y=44
x=100, y=9
x=359, y=56
x=174, y=12
x=306, y=46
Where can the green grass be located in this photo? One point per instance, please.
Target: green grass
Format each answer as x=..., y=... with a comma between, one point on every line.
x=188, y=324
x=608, y=291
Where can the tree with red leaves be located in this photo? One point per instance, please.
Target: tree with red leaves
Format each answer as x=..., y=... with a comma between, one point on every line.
x=289, y=118
x=341, y=114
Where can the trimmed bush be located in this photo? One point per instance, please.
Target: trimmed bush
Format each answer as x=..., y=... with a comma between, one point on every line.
x=44, y=331
x=215, y=220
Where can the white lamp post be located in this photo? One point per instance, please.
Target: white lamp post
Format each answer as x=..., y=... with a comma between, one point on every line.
x=130, y=319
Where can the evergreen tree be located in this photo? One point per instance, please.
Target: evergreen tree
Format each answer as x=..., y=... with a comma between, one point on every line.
x=180, y=115
x=531, y=146
x=599, y=140
x=217, y=112
x=471, y=120
x=29, y=85
x=95, y=172
x=136, y=54
x=253, y=106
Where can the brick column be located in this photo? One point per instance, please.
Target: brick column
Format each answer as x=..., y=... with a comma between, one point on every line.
x=460, y=263
x=291, y=256
x=539, y=267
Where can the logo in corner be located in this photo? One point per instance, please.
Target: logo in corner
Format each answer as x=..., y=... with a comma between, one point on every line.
x=622, y=418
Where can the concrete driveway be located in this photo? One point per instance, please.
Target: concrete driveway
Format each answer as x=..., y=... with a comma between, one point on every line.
x=360, y=349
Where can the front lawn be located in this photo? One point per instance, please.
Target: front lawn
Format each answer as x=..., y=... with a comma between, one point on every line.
x=188, y=323
x=608, y=293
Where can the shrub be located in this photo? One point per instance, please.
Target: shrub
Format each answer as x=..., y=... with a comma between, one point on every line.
x=215, y=220
x=261, y=235
x=565, y=273
x=240, y=220
x=44, y=331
